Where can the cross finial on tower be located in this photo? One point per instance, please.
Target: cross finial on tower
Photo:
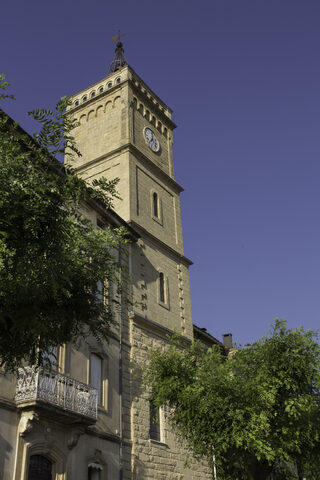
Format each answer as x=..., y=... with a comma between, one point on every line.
x=119, y=59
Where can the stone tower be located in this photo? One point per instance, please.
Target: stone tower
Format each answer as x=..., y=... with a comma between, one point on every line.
x=126, y=131
x=89, y=418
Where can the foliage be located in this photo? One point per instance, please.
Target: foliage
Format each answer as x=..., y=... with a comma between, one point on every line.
x=256, y=411
x=52, y=258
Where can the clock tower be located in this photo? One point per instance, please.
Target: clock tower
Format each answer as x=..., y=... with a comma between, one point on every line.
x=126, y=131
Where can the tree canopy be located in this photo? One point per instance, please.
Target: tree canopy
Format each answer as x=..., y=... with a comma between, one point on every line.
x=56, y=267
x=252, y=414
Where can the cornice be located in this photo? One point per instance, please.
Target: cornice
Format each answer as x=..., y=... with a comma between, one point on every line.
x=158, y=171
x=8, y=404
x=156, y=327
x=135, y=151
x=153, y=106
x=108, y=436
x=148, y=88
x=174, y=252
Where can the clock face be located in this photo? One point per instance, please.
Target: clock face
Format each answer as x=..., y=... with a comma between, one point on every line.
x=151, y=139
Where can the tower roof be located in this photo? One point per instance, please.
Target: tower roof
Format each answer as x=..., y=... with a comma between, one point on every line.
x=119, y=59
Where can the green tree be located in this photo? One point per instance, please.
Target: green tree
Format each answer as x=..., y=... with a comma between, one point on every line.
x=252, y=414
x=53, y=260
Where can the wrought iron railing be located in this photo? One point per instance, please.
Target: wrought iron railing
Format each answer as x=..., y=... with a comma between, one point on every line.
x=56, y=389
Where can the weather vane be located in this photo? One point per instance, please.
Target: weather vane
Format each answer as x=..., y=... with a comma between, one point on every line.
x=117, y=37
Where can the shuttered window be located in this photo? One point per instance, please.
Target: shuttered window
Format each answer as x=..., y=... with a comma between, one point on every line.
x=96, y=374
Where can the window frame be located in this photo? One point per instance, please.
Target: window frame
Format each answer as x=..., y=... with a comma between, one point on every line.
x=49, y=460
x=165, y=288
x=104, y=386
x=156, y=430
x=159, y=217
x=95, y=466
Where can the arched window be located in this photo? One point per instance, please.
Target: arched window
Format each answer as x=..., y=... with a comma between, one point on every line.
x=40, y=468
x=118, y=80
x=109, y=84
x=84, y=99
x=101, y=89
x=155, y=203
x=94, y=471
x=76, y=103
x=161, y=288
x=93, y=94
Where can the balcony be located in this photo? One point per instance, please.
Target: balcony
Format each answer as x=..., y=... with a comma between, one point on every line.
x=58, y=394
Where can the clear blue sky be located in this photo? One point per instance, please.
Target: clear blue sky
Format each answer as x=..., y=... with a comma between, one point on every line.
x=243, y=79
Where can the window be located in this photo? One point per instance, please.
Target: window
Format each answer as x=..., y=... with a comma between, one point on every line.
x=40, y=468
x=109, y=84
x=162, y=297
x=100, y=223
x=76, y=103
x=156, y=207
x=94, y=471
x=118, y=80
x=95, y=376
x=51, y=358
x=84, y=99
x=163, y=290
x=155, y=202
x=101, y=89
x=93, y=94
x=100, y=291
x=155, y=427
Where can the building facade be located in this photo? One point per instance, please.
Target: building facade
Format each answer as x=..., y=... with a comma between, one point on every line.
x=90, y=419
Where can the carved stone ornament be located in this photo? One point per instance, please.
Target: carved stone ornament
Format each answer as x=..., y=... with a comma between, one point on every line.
x=26, y=422
x=74, y=438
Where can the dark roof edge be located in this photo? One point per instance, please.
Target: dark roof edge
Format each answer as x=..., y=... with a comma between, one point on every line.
x=200, y=332
x=112, y=217
x=59, y=167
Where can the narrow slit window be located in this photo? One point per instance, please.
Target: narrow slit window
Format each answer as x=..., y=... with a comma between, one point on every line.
x=161, y=288
x=155, y=205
